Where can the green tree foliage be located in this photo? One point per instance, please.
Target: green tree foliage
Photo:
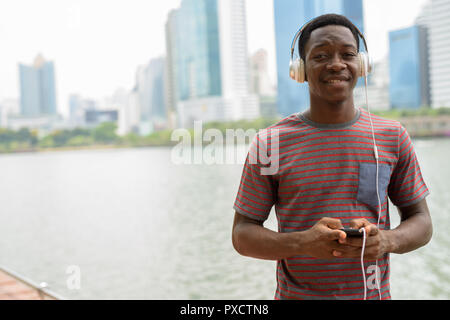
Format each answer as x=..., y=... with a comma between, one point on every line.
x=22, y=139
x=421, y=112
x=105, y=133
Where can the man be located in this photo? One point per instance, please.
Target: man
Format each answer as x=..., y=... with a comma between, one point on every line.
x=326, y=181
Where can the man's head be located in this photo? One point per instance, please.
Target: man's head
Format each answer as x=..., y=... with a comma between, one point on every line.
x=329, y=47
x=322, y=21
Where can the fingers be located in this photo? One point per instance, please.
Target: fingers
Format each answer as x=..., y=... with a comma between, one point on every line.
x=332, y=223
x=337, y=235
x=371, y=229
x=347, y=252
x=358, y=242
x=353, y=247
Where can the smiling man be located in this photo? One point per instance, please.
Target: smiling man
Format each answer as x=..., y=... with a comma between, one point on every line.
x=327, y=180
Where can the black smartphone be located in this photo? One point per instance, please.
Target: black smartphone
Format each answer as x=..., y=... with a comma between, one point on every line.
x=352, y=232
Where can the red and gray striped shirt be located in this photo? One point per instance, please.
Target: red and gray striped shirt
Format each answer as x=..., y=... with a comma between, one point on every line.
x=328, y=170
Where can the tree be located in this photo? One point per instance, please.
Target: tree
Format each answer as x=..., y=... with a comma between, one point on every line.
x=105, y=133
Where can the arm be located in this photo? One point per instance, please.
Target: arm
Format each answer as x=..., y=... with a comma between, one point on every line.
x=250, y=238
x=415, y=229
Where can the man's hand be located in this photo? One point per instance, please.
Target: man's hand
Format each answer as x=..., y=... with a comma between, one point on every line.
x=377, y=242
x=323, y=238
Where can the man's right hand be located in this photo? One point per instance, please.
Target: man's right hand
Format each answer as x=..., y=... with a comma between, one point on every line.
x=324, y=238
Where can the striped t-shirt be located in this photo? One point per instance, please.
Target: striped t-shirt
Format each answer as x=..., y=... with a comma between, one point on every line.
x=328, y=170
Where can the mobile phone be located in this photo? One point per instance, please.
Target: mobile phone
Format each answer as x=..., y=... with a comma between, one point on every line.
x=352, y=232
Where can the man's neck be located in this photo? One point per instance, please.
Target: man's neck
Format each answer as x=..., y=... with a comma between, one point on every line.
x=331, y=113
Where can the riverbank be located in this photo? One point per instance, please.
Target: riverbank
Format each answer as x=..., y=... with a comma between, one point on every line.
x=419, y=126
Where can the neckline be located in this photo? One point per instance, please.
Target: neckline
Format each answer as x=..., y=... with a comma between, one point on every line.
x=331, y=125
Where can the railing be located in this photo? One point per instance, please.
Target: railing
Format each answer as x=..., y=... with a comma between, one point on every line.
x=42, y=288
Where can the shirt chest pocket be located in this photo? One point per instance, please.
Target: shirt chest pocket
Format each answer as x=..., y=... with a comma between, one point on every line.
x=367, y=188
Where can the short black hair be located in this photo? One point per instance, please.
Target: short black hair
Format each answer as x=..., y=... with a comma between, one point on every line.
x=322, y=21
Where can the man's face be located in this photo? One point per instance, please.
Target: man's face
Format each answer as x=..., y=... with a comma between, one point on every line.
x=331, y=63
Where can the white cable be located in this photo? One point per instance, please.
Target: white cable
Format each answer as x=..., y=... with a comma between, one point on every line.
x=375, y=150
x=362, y=262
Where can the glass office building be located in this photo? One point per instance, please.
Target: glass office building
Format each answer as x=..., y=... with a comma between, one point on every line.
x=408, y=71
x=289, y=17
x=37, y=88
x=197, y=50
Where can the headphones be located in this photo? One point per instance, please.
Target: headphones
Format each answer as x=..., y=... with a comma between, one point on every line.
x=297, y=67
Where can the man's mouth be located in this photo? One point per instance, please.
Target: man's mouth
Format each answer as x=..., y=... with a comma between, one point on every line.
x=335, y=81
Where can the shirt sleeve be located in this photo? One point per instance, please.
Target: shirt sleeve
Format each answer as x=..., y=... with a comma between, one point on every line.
x=257, y=191
x=407, y=185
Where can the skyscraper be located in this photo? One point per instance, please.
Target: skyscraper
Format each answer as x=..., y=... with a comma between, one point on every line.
x=377, y=88
x=198, y=58
x=37, y=88
x=150, y=92
x=259, y=76
x=207, y=48
x=170, y=94
x=408, y=70
x=435, y=16
x=290, y=16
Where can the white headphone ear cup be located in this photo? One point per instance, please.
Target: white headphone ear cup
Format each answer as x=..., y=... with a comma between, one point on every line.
x=297, y=67
x=365, y=64
x=293, y=69
x=301, y=71
x=296, y=70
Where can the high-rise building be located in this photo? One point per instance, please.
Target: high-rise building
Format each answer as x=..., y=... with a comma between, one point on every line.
x=435, y=16
x=170, y=67
x=129, y=115
x=260, y=83
x=37, y=88
x=198, y=58
x=78, y=106
x=377, y=88
x=208, y=51
x=408, y=61
x=76, y=110
x=151, y=92
x=239, y=103
x=290, y=16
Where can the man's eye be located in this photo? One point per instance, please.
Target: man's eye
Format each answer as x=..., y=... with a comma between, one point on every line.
x=320, y=56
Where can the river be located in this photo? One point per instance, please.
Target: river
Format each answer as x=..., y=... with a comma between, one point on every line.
x=138, y=226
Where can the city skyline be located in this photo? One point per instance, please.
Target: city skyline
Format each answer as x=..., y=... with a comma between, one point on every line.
x=72, y=32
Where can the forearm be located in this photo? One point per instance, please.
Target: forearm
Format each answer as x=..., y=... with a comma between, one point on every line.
x=412, y=233
x=256, y=241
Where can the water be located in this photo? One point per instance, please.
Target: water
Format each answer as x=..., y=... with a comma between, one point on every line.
x=140, y=227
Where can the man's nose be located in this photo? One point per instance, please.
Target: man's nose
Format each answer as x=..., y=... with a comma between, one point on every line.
x=336, y=63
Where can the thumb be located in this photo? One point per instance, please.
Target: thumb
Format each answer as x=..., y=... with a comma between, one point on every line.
x=336, y=235
x=358, y=223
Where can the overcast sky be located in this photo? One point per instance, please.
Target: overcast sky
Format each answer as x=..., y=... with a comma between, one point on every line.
x=96, y=45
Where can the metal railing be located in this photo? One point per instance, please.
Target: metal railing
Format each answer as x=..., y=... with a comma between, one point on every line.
x=42, y=289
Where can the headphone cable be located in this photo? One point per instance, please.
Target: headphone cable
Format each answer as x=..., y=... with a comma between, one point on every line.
x=375, y=149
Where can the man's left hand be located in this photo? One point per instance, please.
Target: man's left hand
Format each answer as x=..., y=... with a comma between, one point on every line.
x=377, y=242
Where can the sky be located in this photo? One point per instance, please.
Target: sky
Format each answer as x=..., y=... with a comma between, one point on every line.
x=96, y=45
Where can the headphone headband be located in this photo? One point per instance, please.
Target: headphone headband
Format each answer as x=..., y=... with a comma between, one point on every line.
x=299, y=32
